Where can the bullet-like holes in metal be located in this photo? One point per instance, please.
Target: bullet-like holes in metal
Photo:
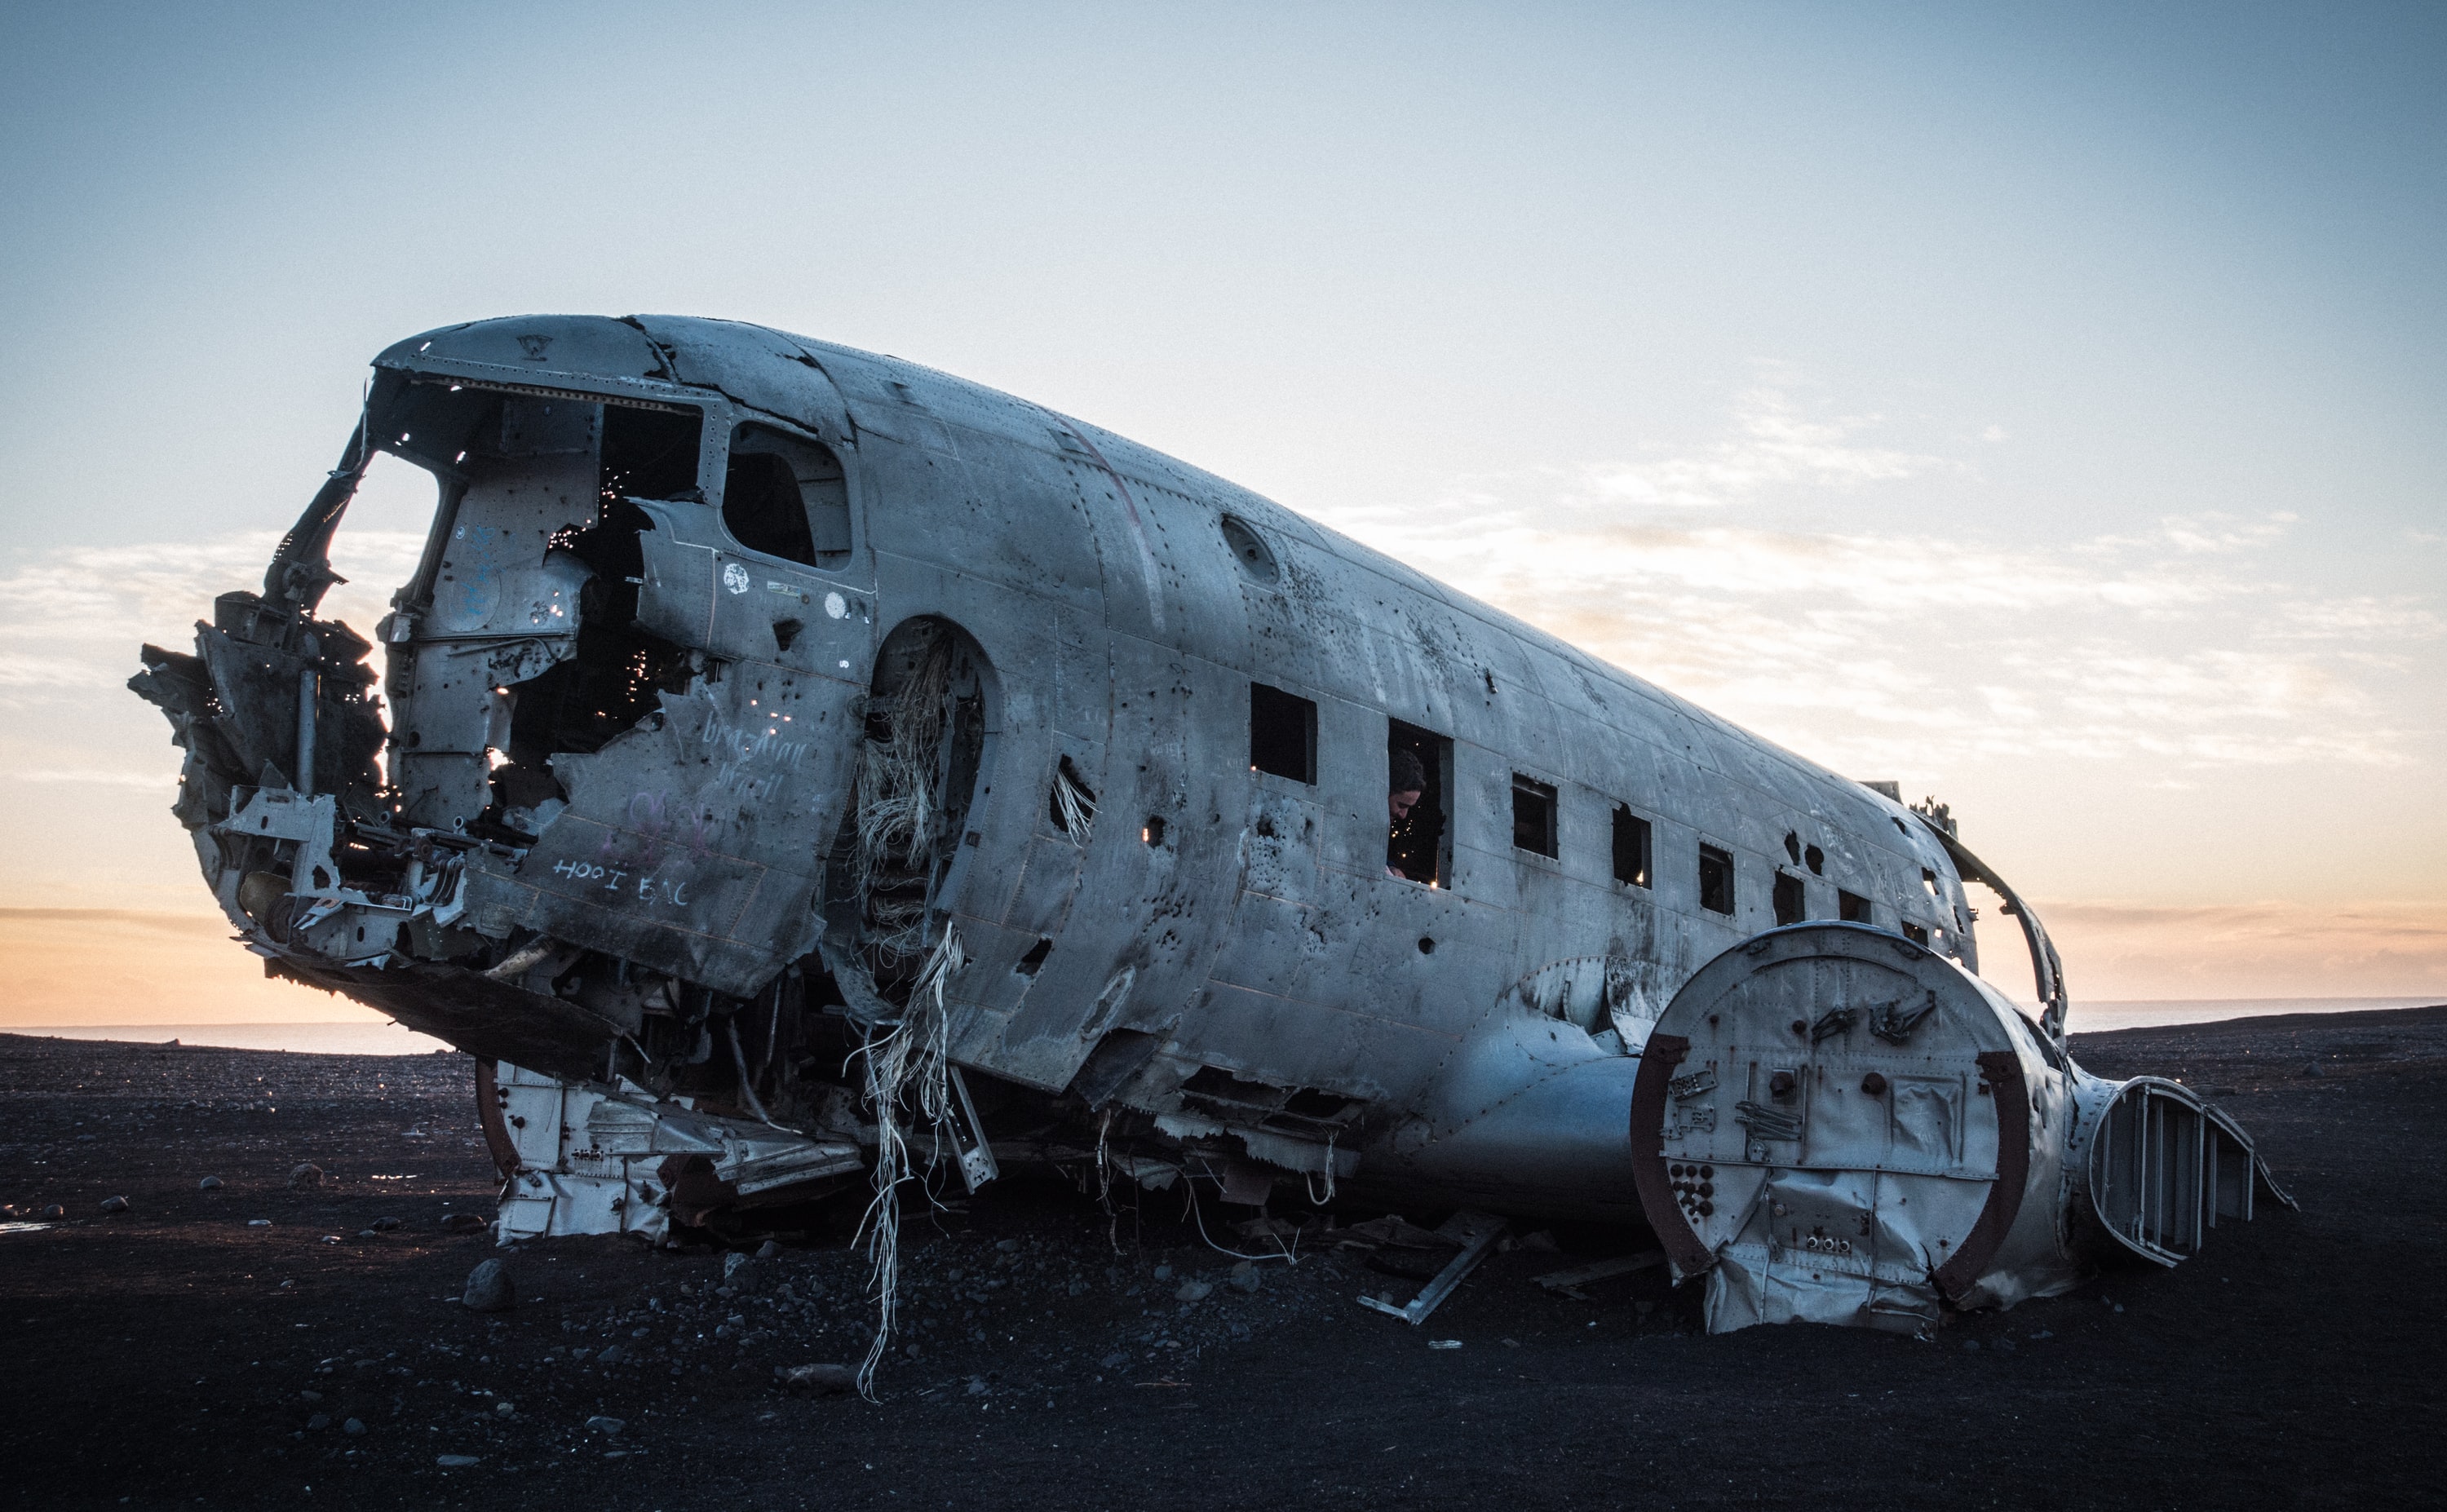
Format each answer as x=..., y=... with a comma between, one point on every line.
x=1152, y=831
x=1427, y=945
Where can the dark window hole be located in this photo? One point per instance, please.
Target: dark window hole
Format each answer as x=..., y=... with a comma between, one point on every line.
x=1533, y=815
x=1282, y=734
x=1788, y=908
x=1716, y=879
x=1632, y=840
x=1152, y=831
x=1816, y=859
x=1036, y=958
x=1851, y=907
x=1427, y=945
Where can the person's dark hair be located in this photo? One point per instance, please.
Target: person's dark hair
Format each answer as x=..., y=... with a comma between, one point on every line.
x=1407, y=775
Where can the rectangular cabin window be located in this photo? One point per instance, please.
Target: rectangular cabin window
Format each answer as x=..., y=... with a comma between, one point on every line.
x=1916, y=933
x=1282, y=734
x=1533, y=815
x=785, y=496
x=1851, y=907
x=1631, y=843
x=1789, y=909
x=1418, y=846
x=1716, y=879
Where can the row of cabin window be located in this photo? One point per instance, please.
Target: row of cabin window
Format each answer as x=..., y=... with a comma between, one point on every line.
x=1282, y=741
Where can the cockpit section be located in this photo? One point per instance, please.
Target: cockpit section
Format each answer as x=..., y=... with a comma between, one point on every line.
x=578, y=821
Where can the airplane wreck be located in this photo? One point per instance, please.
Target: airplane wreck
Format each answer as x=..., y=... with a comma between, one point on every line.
x=792, y=771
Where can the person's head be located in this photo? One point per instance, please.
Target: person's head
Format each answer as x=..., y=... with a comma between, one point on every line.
x=1404, y=786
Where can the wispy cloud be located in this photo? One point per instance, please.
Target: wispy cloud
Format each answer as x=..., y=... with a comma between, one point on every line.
x=70, y=620
x=1772, y=443
x=2182, y=640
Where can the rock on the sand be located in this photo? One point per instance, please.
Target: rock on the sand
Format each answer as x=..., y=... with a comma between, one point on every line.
x=462, y=1223
x=455, y=1462
x=490, y=1289
x=210, y=1184
x=608, y=1427
x=1193, y=1291
x=114, y=1204
x=306, y=1173
x=829, y=1380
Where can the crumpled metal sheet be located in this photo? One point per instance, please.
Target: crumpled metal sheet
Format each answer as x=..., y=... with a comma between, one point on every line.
x=592, y=1158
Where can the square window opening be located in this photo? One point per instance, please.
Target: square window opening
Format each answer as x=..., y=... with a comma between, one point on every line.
x=1418, y=841
x=1282, y=734
x=1789, y=906
x=1851, y=907
x=1716, y=879
x=1533, y=815
x=1917, y=934
x=1632, y=837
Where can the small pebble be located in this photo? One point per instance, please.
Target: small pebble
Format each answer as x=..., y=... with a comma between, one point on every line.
x=769, y=1250
x=609, y=1427
x=503, y=1410
x=352, y=1426
x=319, y=1422
x=462, y=1223
x=1193, y=1291
x=210, y=1184
x=1443, y=1344
x=55, y=1211
x=1113, y=1361
x=384, y=1225
x=611, y=1356
x=1970, y=1346
x=258, y=1223
x=977, y=1385
x=114, y=1204
x=454, y=1461
x=306, y=1173
x=1163, y=1273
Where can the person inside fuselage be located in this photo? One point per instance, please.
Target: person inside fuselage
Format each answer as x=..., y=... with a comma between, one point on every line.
x=1408, y=780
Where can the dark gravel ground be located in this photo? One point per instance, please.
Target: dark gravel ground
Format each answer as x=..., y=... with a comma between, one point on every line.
x=174, y=1355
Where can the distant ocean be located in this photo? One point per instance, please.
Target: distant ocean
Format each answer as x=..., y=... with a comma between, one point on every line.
x=390, y=1039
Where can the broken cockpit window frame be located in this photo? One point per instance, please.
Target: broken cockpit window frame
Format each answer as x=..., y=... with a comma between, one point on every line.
x=787, y=496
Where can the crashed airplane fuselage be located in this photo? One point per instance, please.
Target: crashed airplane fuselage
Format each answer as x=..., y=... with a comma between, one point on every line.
x=793, y=763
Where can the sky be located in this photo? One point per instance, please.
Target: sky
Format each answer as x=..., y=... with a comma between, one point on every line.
x=2044, y=407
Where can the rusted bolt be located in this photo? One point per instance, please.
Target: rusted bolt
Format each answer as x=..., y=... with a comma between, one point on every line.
x=1801, y=1026
x=1780, y=1084
x=1874, y=1084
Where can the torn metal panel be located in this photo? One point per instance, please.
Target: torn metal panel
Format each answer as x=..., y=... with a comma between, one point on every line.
x=592, y=1158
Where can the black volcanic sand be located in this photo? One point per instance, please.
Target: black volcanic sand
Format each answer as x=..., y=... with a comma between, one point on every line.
x=173, y=1355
